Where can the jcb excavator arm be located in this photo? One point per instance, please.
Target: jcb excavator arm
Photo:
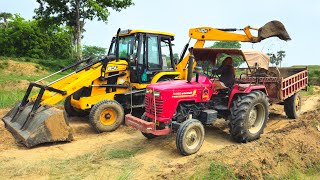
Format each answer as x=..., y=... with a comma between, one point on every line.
x=202, y=34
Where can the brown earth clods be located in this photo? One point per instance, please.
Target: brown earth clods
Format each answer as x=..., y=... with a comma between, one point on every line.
x=285, y=144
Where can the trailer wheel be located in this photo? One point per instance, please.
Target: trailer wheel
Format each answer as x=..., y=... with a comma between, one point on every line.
x=71, y=111
x=292, y=106
x=147, y=135
x=106, y=116
x=190, y=137
x=249, y=115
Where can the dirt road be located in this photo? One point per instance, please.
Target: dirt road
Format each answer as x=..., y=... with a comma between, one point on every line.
x=125, y=153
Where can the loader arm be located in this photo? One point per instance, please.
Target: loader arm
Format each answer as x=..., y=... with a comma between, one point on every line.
x=71, y=84
x=202, y=34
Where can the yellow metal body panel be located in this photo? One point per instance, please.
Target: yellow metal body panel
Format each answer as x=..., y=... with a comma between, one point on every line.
x=156, y=78
x=212, y=34
x=148, y=32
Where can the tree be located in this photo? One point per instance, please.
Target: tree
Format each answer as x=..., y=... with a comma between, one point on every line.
x=5, y=16
x=24, y=38
x=277, y=59
x=74, y=13
x=237, y=61
x=93, y=51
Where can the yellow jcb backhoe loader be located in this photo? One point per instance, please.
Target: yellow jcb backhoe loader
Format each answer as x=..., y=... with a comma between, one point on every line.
x=107, y=87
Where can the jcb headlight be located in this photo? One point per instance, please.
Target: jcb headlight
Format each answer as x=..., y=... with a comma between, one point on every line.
x=156, y=93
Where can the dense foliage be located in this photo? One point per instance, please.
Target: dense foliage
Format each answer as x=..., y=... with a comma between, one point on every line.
x=93, y=51
x=74, y=13
x=22, y=38
x=237, y=61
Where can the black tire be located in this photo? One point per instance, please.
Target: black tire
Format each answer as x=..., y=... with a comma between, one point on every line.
x=106, y=116
x=292, y=106
x=193, y=128
x=249, y=116
x=71, y=111
x=147, y=135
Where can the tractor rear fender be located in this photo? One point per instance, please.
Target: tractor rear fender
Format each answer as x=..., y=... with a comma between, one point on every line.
x=245, y=89
x=160, y=75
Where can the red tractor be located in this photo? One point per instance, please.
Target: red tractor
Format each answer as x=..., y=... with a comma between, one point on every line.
x=185, y=106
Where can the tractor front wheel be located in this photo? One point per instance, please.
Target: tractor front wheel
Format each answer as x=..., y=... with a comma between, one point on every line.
x=106, y=116
x=249, y=115
x=292, y=106
x=190, y=137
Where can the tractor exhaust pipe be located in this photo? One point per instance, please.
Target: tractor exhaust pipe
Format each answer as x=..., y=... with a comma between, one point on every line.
x=190, y=65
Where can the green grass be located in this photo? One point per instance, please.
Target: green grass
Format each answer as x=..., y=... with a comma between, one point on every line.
x=10, y=91
x=99, y=163
x=216, y=171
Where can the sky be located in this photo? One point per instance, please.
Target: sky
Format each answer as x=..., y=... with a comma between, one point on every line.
x=301, y=19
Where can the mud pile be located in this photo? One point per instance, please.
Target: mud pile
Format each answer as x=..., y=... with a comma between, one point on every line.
x=277, y=152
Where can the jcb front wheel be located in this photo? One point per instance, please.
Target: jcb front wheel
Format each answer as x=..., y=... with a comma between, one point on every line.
x=190, y=137
x=106, y=116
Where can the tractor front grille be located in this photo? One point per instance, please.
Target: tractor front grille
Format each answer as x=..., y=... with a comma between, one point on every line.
x=150, y=106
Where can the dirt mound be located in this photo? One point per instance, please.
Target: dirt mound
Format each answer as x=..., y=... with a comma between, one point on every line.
x=126, y=153
x=7, y=141
x=297, y=145
x=21, y=68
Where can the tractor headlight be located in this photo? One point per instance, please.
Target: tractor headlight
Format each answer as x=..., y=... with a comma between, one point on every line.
x=149, y=91
x=156, y=93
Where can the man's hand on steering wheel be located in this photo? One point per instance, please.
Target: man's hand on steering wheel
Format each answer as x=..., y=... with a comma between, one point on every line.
x=214, y=73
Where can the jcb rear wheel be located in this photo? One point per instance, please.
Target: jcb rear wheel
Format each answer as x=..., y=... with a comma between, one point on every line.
x=292, y=106
x=147, y=135
x=71, y=111
x=106, y=116
x=190, y=137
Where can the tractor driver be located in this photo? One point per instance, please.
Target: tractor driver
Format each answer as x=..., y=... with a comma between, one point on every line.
x=227, y=74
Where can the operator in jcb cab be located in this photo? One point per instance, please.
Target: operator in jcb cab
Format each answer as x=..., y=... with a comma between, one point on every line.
x=227, y=74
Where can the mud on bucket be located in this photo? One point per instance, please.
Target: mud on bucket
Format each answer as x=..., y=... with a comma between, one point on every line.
x=47, y=124
x=273, y=29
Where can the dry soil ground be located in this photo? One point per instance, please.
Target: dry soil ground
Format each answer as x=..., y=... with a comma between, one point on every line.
x=125, y=153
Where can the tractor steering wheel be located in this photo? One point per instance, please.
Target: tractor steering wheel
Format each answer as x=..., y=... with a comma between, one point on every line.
x=215, y=74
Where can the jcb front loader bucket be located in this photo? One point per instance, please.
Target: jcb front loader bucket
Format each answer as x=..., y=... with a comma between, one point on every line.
x=46, y=124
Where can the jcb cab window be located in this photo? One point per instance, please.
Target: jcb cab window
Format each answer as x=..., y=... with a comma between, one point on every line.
x=125, y=47
x=153, y=53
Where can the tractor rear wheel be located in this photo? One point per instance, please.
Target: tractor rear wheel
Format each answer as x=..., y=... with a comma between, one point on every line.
x=292, y=106
x=190, y=137
x=106, y=116
x=71, y=111
x=147, y=135
x=249, y=115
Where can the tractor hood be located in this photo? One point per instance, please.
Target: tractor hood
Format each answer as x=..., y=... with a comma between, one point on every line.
x=182, y=90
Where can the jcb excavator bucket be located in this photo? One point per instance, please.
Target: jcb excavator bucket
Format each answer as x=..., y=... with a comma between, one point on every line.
x=273, y=29
x=46, y=124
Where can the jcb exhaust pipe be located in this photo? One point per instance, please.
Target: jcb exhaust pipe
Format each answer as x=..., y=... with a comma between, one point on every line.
x=190, y=65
